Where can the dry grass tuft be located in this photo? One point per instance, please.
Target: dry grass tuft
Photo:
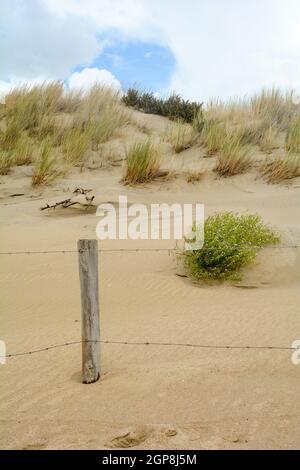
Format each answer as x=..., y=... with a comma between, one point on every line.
x=143, y=162
x=75, y=145
x=213, y=135
x=194, y=176
x=24, y=151
x=233, y=156
x=6, y=162
x=180, y=135
x=281, y=168
x=292, y=142
x=45, y=168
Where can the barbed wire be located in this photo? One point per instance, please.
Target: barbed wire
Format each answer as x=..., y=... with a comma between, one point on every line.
x=134, y=250
x=150, y=343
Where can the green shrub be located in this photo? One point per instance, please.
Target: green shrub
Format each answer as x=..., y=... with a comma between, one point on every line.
x=174, y=107
x=143, y=160
x=231, y=241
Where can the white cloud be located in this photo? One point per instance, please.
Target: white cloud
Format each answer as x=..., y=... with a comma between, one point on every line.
x=35, y=42
x=221, y=48
x=88, y=77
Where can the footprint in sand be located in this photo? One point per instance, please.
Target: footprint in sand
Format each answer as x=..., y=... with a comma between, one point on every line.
x=131, y=438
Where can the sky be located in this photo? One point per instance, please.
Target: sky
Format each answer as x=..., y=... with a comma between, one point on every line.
x=198, y=48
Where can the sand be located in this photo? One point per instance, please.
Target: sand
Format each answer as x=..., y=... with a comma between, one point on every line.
x=149, y=397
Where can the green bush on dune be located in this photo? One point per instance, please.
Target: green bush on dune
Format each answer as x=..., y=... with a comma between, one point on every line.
x=231, y=241
x=174, y=107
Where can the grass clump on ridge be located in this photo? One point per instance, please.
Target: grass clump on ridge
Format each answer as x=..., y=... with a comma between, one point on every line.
x=231, y=241
x=6, y=162
x=280, y=168
x=75, y=145
x=45, y=168
x=233, y=156
x=173, y=107
x=180, y=135
x=292, y=142
x=142, y=162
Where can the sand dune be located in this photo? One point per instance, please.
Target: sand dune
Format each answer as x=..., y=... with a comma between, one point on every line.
x=148, y=396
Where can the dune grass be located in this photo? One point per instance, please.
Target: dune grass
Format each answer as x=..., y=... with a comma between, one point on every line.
x=6, y=162
x=26, y=106
x=268, y=140
x=233, y=156
x=292, y=142
x=194, y=176
x=231, y=241
x=213, y=135
x=45, y=168
x=180, y=135
x=24, y=151
x=142, y=162
x=280, y=168
x=75, y=145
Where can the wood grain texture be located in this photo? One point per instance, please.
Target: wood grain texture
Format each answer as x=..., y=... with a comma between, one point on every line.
x=88, y=274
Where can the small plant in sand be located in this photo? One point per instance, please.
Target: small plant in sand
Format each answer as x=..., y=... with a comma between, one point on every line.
x=194, y=176
x=292, y=142
x=231, y=241
x=180, y=135
x=45, y=167
x=233, y=156
x=6, y=162
x=75, y=145
x=280, y=168
x=213, y=135
x=142, y=162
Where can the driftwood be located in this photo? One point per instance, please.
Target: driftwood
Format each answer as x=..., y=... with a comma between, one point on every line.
x=80, y=197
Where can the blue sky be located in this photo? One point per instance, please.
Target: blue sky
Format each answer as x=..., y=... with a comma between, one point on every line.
x=198, y=48
x=149, y=66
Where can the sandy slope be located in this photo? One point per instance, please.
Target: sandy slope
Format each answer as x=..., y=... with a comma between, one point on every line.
x=148, y=397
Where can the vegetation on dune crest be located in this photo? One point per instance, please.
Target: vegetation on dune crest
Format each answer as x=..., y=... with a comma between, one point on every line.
x=173, y=107
x=231, y=241
x=72, y=121
x=142, y=162
x=78, y=123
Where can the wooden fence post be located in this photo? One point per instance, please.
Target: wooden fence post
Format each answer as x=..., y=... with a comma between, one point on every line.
x=90, y=331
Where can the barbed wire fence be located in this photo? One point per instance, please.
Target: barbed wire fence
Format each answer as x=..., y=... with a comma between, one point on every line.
x=143, y=343
x=136, y=250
